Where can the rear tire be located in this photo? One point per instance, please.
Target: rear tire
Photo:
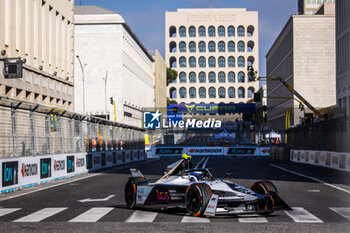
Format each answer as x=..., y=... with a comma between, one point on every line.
x=265, y=188
x=130, y=193
x=197, y=198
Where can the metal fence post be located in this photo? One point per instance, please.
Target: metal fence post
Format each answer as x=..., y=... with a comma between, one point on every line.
x=60, y=131
x=14, y=132
x=32, y=132
x=47, y=131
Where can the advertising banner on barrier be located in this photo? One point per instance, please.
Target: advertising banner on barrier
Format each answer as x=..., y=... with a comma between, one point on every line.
x=9, y=173
x=172, y=151
x=204, y=150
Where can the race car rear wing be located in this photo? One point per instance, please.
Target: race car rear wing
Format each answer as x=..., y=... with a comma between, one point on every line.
x=135, y=172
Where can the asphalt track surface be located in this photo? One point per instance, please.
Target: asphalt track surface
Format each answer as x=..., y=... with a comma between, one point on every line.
x=319, y=196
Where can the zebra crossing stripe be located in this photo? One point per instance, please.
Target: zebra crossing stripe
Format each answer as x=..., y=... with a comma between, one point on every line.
x=343, y=211
x=194, y=219
x=142, y=216
x=40, y=215
x=92, y=215
x=252, y=218
x=7, y=211
x=299, y=214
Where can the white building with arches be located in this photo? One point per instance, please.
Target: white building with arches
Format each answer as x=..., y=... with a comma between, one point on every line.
x=211, y=50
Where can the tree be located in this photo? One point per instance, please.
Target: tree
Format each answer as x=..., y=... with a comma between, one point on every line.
x=169, y=101
x=171, y=75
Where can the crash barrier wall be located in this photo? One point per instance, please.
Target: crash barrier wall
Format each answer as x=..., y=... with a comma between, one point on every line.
x=28, y=129
x=279, y=153
x=210, y=151
x=18, y=173
x=330, y=159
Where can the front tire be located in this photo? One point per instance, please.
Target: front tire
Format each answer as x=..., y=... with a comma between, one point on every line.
x=265, y=188
x=130, y=193
x=197, y=198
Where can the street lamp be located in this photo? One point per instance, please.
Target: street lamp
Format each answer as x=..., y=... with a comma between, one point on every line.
x=82, y=71
x=105, y=78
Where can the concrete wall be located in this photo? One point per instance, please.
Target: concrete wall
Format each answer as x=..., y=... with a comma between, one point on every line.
x=160, y=75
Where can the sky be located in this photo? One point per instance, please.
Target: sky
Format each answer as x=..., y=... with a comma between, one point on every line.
x=147, y=18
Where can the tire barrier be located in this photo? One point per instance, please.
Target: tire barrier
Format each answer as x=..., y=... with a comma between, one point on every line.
x=330, y=159
x=22, y=172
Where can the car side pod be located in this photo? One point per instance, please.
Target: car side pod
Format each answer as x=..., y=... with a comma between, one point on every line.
x=210, y=211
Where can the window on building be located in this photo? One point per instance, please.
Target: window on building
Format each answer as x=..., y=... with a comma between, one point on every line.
x=182, y=31
x=212, y=77
x=172, y=47
x=192, y=47
x=231, y=62
x=221, y=46
x=212, y=92
x=241, y=92
x=250, y=92
x=201, y=31
x=172, y=62
x=231, y=46
x=202, y=77
x=250, y=31
x=240, y=46
x=240, y=31
x=182, y=77
x=202, y=93
x=172, y=31
x=231, y=31
x=221, y=77
x=221, y=31
x=201, y=62
x=192, y=62
x=231, y=77
x=221, y=92
x=192, y=93
x=182, y=46
x=172, y=92
x=201, y=47
x=182, y=93
x=211, y=31
x=221, y=62
x=241, y=77
x=192, y=77
x=231, y=92
x=192, y=31
x=241, y=62
x=211, y=62
x=182, y=62
x=211, y=46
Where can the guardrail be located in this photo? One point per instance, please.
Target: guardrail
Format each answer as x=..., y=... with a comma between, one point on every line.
x=330, y=159
x=22, y=172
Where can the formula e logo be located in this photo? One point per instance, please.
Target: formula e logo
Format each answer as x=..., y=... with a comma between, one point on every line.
x=151, y=120
x=162, y=195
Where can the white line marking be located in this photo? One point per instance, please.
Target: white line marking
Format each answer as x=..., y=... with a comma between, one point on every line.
x=199, y=163
x=142, y=216
x=92, y=215
x=343, y=211
x=40, y=215
x=252, y=218
x=92, y=200
x=312, y=178
x=7, y=211
x=299, y=214
x=205, y=163
x=194, y=219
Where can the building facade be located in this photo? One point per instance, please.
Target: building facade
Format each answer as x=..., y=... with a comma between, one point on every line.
x=304, y=56
x=211, y=50
x=310, y=7
x=105, y=42
x=343, y=54
x=41, y=33
x=160, y=77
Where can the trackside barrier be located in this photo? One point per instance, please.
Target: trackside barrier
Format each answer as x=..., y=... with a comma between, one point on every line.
x=22, y=172
x=330, y=159
x=210, y=151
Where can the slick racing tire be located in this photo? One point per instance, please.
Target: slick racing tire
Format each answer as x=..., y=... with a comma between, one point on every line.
x=265, y=188
x=130, y=192
x=197, y=198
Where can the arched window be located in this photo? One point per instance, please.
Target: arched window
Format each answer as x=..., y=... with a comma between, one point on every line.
x=240, y=46
x=182, y=77
x=250, y=92
x=241, y=62
x=221, y=31
x=231, y=46
x=202, y=93
x=231, y=62
x=192, y=93
x=172, y=62
x=212, y=92
x=221, y=92
x=192, y=31
x=201, y=62
x=211, y=46
x=192, y=47
x=231, y=92
x=182, y=93
x=192, y=77
x=172, y=47
x=250, y=46
x=182, y=46
x=241, y=92
x=212, y=77
x=172, y=31
x=211, y=31
x=201, y=31
x=221, y=62
x=211, y=62
x=182, y=62
x=221, y=77
x=201, y=47
x=240, y=31
x=202, y=77
x=231, y=77
x=250, y=31
x=182, y=31
x=172, y=92
x=241, y=77
x=192, y=62
x=231, y=31
x=221, y=46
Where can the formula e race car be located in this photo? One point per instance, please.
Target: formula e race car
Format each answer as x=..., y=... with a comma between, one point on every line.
x=200, y=193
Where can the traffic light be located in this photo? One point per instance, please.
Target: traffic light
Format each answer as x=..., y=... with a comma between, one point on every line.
x=111, y=100
x=257, y=97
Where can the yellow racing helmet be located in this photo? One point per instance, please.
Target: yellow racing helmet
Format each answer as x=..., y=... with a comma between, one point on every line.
x=185, y=156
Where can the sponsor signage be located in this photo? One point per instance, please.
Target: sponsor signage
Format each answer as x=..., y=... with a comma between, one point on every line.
x=97, y=160
x=45, y=168
x=29, y=169
x=70, y=164
x=241, y=151
x=206, y=151
x=168, y=151
x=103, y=159
x=89, y=161
x=59, y=165
x=212, y=108
x=80, y=162
x=9, y=173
